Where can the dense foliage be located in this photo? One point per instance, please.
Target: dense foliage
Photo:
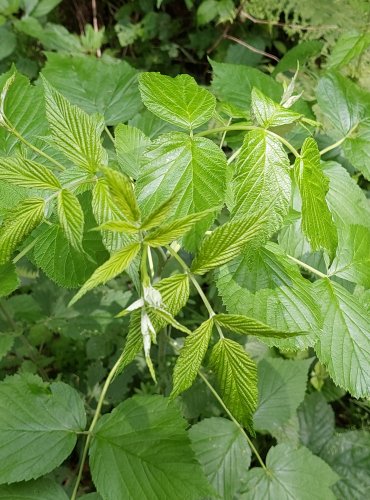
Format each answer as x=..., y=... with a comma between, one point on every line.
x=185, y=265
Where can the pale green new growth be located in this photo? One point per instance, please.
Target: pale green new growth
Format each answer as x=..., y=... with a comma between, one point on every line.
x=123, y=194
x=27, y=173
x=268, y=113
x=71, y=218
x=248, y=326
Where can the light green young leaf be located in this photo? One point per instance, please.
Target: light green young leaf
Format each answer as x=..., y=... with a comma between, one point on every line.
x=281, y=389
x=223, y=453
x=317, y=220
x=352, y=260
x=270, y=114
x=236, y=374
x=71, y=218
x=123, y=194
x=119, y=226
x=27, y=173
x=19, y=222
x=166, y=233
x=261, y=183
x=164, y=315
x=191, y=357
x=227, y=242
x=291, y=473
x=43, y=488
x=177, y=100
x=349, y=45
x=42, y=418
x=159, y=214
x=344, y=345
x=75, y=133
x=114, y=266
x=145, y=436
x=239, y=323
x=130, y=143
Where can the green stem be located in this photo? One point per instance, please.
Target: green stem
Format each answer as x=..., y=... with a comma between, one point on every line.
x=224, y=134
x=339, y=142
x=21, y=254
x=219, y=399
x=109, y=134
x=285, y=142
x=234, y=155
x=93, y=424
x=309, y=268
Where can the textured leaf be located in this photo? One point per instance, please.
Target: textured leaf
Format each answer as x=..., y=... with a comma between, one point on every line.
x=43, y=488
x=357, y=148
x=317, y=221
x=281, y=389
x=142, y=448
x=261, y=183
x=248, y=326
x=223, y=453
x=9, y=280
x=38, y=424
x=159, y=214
x=114, y=266
x=123, y=194
x=27, y=173
x=19, y=222
x=236, y=375
x=191, y=357
x=130, y=143
x=227, y=242
x=291, y=473
x=71, y=218
x=177, y=100
x=348, y=454
x=344, y=345
x=349, y=45
x=270, y=114
x=96, y=85
x=75, y=133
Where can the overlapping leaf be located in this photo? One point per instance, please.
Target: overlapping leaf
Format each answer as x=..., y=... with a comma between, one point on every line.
x=71, y=217
x=27, y=173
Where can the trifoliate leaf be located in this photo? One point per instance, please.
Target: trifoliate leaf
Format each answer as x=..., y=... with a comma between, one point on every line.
x=177, y=100
x=19, y=222
x=43, y=488
x=75, y=133
x=145, y=436
x=42, y=418
x=130, y=143
x=236, y=375
x=248, y=326
x=191, y=357
x=123, y=194
x=317, y=220
x=270, y=114
x=71, y=218
x=344, y=345
x=223, y=453
x=27, y=173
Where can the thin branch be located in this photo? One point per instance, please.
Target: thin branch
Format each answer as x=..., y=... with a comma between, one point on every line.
x=95, y=23
x=254, y=20
x=251, y=48
x=307, y=267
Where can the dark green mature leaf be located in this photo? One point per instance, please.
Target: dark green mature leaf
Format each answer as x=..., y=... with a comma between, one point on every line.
x=130, y=143
x=41, y=489
x=261, y=185
x=38, y=424
x=281, y=389
x=317, y=221
x=348, y=454
x=301, y=53
x=236, y=375
x=344, y=345
x=71, y=218
x=6, y=343
x=96, y=85
x=357, y=148
x=142, y=448
x=223, y=453
x=177, y=100
x=27, y=173
x=9, y=280
x=290, y=473
x=191, y=357
x=270, y=114
x=239, y=323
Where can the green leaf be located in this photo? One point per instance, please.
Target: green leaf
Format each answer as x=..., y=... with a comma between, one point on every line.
x=239, y=323
x=357, y=148
x=166, y=233
x=223, y=453
x=119, y=226
x=191, y=169
x=96, y=85
x=344, y=345
x=348, y=454
x=142, y=448
x=281, y=389
x=236, y=375
x=43, y=488
x=303, y=52
x=261, y=185
x=352, y=260
x=267, y=286
x=27, y=173
x=6, y=343
x=114, y=266
x=19, y=222
x=291, y=473
x=34, y=419
x=227, y=242
x=9, y=42
x=9, y=280
x=123, y=194
x=130, y=143
x=316, y=422
x=349, y=45
x=159, y=214
x=74, y=132
x=317, y=221
x=177, y=100
x=191, y=356
x=71, y=218
x=268, y=113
